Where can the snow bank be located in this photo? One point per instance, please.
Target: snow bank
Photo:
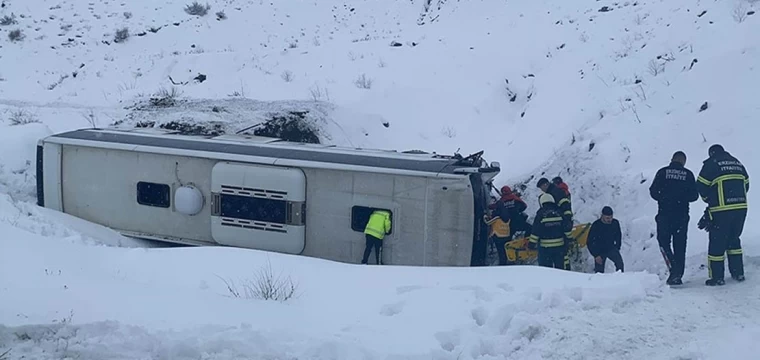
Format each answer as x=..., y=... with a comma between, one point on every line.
x=175, y=303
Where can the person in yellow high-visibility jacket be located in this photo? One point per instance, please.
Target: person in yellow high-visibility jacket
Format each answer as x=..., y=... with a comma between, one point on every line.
x=500, y=234
x=378, y=226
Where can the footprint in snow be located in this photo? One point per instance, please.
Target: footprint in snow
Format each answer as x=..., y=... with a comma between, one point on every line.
x=449, y=340
x=392, y=309
x=407, y=289
x=480, y=315
x=480, y=293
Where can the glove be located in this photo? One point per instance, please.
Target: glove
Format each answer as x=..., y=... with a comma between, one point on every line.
x=704, y=223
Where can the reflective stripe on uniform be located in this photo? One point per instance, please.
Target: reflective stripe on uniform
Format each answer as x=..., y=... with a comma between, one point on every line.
x=728, y=207
x=551, y=219
x=715, y=258
x=552, y=242
x=533, y=239
x=718, y=182
x=564, y=200
x=734, y=252
x=723, y=178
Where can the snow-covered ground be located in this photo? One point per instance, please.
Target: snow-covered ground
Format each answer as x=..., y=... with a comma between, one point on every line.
x=599, y=92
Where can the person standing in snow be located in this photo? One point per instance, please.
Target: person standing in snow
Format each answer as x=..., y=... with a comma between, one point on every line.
x=673, y=188
x=563, y=203
x=511, y=207
x=604, y=240
x=507, y=217
x=378, y=226
x=549, y=234
x=561, y=184
x=723, y=183
x=500, y=234
x=559, y=195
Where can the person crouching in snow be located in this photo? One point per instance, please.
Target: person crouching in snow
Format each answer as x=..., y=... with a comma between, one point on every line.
x=604, y=240
x=549, y=234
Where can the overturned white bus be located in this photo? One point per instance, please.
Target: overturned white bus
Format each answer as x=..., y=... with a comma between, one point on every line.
x=268, y=194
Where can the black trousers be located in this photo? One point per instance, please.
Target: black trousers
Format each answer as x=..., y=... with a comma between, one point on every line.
x=673, y=227
x=552, y=257
x=725, y=231
x=613, y=255
x=500, y=242
x=373, y=242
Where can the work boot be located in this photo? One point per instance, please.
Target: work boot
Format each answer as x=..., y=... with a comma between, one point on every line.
x=739, y=278
x=676, y=281
x=714, y=282
x=671, y=279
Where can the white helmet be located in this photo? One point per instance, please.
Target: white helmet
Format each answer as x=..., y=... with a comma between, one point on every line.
x=546, y=198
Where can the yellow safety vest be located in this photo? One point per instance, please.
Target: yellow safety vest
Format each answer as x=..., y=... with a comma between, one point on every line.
x=379, y=224
x=499, y=228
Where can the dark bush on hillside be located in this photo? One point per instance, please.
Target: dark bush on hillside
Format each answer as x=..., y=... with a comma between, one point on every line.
x=197, y=9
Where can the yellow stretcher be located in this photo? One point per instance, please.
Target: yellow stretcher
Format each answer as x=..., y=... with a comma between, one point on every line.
x=518, y=252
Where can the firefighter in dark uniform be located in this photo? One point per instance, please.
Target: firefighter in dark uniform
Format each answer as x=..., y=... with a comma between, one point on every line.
x=550, y=233
x=565, y=208
x=723, y=184
x=673, y=188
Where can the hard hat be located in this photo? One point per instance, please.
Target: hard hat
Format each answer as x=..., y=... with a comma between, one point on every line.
x=546, y=198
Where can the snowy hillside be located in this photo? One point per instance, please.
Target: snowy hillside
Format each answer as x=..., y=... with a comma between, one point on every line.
x=598, y=92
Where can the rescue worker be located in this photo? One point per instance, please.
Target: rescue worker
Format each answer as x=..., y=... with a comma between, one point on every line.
x=561, y=184
x=378, y=226
x=673, y=188
x=565, y=207
x=723, y=183
x=500, y=234
x=511, y=207
x=549, y=234
x=604, y=240
x=562, y=199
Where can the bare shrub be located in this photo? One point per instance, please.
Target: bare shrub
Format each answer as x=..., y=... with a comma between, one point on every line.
x=8, y=20
x=16, y=35
x=165, y=98
x=91, y=118
x=449, y=132
x=5, y=355
x=220, y=15
x=265, y=285
x=121, y=35
x=287, y=75
x=363, y=82
x=197, y=9
x=740, y=12
x=127, y=15
x=318, y=93
x=655, y=67
x=22, y=117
